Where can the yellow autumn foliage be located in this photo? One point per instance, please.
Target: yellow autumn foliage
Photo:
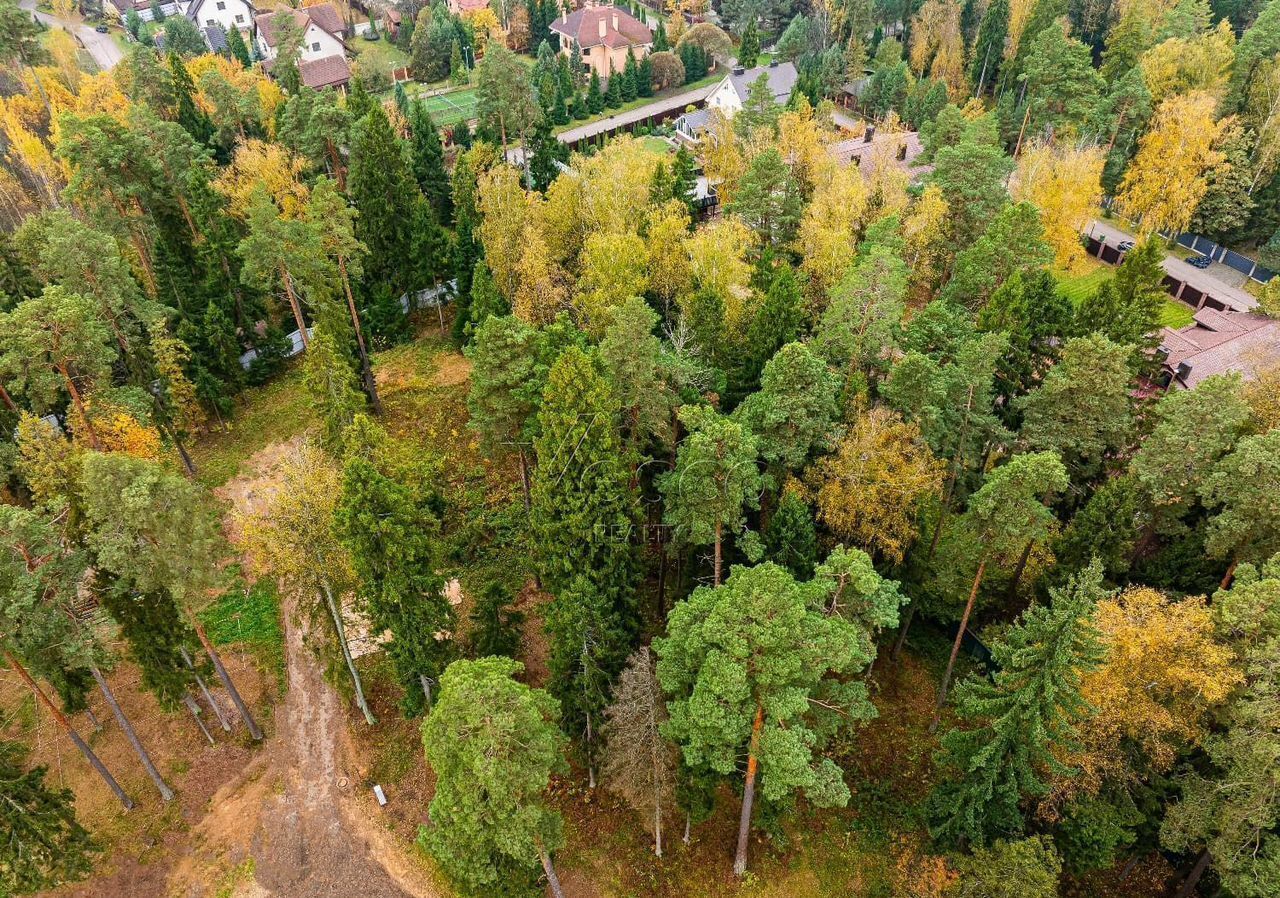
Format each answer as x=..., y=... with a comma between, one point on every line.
x=271, y=165
x=1064, y=182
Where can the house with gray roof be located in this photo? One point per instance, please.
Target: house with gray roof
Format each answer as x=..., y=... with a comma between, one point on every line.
x=730, y=95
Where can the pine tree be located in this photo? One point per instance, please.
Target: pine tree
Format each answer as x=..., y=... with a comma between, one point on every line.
x=792, y=415
x=493, y=744
x=427, y=157
x=44, y=845
x=583, y=506
x=756, y=668
x=1021, y=720
x=239, y=49
x=988, y=49
x=714, y=480
x=386, y=521
x=749, y=46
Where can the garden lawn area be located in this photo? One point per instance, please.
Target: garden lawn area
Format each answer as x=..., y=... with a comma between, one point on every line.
x=1175, y=314
x=263, y=415
x=378, y=56
x=657, y=146
x=1075, y=286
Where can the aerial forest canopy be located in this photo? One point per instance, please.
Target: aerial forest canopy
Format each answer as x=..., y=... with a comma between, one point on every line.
x=675, y=449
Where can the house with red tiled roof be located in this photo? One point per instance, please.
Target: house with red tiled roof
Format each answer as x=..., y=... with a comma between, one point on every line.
x=1219, y=342
x=603, y=35
x=458, y=7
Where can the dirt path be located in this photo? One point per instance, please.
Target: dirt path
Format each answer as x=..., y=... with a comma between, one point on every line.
x=295, y=814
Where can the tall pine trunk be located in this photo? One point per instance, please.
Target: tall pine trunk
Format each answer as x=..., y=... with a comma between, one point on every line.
x=366, y=370
x=902, y=632
x=341, y=629
x=1193, y=878
x=165, y=792
x=225, y=677
x=748, y=793
x=955, y=647
x=195, y=713
x=296, y=307
x=204, y=690
x=547, y=867
x=68, y=729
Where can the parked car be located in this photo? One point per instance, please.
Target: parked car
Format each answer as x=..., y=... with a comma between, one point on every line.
x=1201, y=262
x=1124, y=245
x=101, y=28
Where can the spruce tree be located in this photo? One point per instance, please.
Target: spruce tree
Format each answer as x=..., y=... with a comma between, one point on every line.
x=330, y=378
x=749, y=46
x=595, y=99
x=382, y=189
x=239, y=49
x=684, y=170
x=493, y=744
x=545, y=151
x=628, y=91
x=427, y=156
x=156, y=634
x=194, y=120
x=386, y=520
x=44, y=845
x=789, y=538
x=1017, y=723
x=583, y=504
x=988, y=49
x=644, y=78
x=613, y=90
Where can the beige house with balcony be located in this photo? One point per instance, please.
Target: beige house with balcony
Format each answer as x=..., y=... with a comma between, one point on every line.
x=603, y=35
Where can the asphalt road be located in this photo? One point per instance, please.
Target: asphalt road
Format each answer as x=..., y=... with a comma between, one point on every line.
x=105, y=51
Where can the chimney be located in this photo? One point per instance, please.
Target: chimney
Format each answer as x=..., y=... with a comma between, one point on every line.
x=869, y=134
x=615, y=20
x=603, y=27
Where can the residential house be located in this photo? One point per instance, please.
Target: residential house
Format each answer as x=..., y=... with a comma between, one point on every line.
x=143, y=8
x=460, y=7
x=730, y=95
x=1219, y=342
x=898, y=148
x=603, y=35
x=225, y=14
x=322, y=29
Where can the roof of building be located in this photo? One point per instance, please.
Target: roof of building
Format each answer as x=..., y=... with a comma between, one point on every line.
x=621, y=29
x=327, y=71
x=468, y=5
x=138, y=5
x=782, y=78
x=322, y=14
x=1219, y=343
x=904, y=146
x=216, y=37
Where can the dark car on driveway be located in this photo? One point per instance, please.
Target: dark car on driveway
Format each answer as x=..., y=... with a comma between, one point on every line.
x=101, y=28
x=1201, y=262
x=1124, y=245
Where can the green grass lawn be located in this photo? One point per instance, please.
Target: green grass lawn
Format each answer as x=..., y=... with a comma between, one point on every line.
x=378, y=56
x=274, y=411
x=1075, y=286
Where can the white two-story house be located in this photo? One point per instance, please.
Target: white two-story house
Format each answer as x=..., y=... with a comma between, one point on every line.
x=322, y=30
x=226, y=14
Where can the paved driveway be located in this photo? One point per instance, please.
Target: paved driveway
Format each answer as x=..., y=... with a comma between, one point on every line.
x=105, y=51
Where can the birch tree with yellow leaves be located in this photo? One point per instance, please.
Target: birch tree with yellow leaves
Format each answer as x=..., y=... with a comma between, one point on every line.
x=1065, y=183
x=1166, y=180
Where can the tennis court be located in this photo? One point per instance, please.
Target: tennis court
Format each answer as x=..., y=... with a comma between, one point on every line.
x=453, y=107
